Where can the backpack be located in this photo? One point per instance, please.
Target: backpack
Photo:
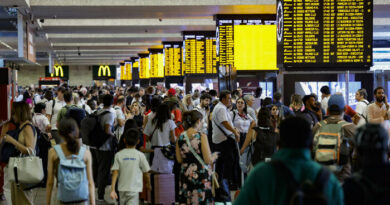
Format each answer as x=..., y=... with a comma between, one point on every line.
x=265, y=145
x=306, y=192
x=373, y=193
x=330, y=146
x=92, y=133
x=365, y=117
x=76, y=113
x=72, y=177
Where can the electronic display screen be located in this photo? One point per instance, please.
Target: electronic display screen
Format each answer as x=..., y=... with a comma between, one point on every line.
x=247, y=42
x=144, y=66
x=156, y=57
x=199, y=52
x=126, y=71
x=325, y=34
x=135, y=68
x=173, y=52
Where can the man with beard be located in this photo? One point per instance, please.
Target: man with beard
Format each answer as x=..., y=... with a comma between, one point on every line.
x=311, y=113
x=378, y=112
x=204, y=108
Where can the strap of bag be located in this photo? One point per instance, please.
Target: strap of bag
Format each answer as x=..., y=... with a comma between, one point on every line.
x=81, y=153
x=219, y=127
x=59, y=152
x=151, y=135
x=193, y=151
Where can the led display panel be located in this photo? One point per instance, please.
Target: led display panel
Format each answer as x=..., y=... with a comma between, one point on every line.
x=326, y=34
x=144, y=66
x=199, y=56
x=173, y=52
x=156, y=57
x=247, y=42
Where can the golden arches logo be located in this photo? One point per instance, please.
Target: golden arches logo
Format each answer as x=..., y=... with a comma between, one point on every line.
x=58, y=71
x=105, y=69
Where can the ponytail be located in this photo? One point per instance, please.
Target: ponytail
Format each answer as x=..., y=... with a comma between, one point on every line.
x=69, y=131
x=190, y=118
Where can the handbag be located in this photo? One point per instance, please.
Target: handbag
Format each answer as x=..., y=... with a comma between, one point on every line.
x=25, y=169
x=169, y=151
x=214, y=179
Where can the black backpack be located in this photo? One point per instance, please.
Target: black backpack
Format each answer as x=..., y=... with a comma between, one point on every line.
x=373, y=193
x=306, y=192
x=76, y=113
x=265, y=145
x=92, y=133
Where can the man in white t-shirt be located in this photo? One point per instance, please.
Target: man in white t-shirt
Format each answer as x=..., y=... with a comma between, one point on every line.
x=53, y=107
x=132, y=167
x=120, y=116
x=361, y=107
x=325, y=95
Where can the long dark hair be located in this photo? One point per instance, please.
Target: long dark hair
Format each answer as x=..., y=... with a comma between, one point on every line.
x=264, y=118
x=68, y=129
x=163, y=114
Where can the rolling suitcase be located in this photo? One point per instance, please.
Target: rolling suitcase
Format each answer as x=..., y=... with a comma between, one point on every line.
x=163, y=189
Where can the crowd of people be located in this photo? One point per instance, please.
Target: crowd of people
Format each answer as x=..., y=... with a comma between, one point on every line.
x=314, y=151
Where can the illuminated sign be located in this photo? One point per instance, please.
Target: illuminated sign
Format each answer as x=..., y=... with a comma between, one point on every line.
x=325, y=35
x=156, y=57
x=199, y=52
x=58, y=71
x=144, y=66
x=173, y=52
x=126, y=71
x=247, y=42
x=104, y=72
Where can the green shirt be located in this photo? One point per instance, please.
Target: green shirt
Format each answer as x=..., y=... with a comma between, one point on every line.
x=263, y=186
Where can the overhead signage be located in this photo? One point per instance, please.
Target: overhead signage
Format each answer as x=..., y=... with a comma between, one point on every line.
x=126, y=71
x=173, y=52
x=323, y=35
x=61, y=71
x=156, y=57
x=135, y=68
x=104, y=72
x=144, y=66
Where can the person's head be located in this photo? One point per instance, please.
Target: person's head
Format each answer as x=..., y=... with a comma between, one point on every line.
x=120, y=101
x=277, y=97
x=163, y=114
x=192, y=119
x=213, y=93
x=205, y=100
x=267, y=101
x=361, y=94
x=258, y=92
x=48, y=95
x=291, y=137
x=225, y=98
x=155, y=103
x=76, y=98
x=372, y=143
x=130, y=123
x=336, y=104
x=107, y=100
x=141, y=92
x=40, y=108
x=325, y=91
x=92, y=104
x=172, y=104
x=187, y=100
x=150, y=90
x=68, y=97
x=239, y=92
x=171, y=92
x=60, y=93
x=379, y=93
x=275, y=110
x=22, y=112
x=241, y=105
x=249, y=99
x=296, y=100
x=196, y=95
x=309, y=101
x=69, y=131
x=264, y=117
x=131, y=137
x=135, y=108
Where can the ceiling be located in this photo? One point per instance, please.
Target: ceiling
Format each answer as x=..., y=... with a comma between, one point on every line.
x=109, y=31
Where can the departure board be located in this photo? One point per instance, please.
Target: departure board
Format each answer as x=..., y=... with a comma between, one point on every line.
x=135, y=68
x=247, y=42
x=144, y=66
x=173, y=52
x=123, y=72
x=128, y=75
x=156, y=57
x=199, y=52
x=326, y=34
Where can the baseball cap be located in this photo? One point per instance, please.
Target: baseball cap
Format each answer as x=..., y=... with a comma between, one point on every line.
x=171, y=91
x=336, y=103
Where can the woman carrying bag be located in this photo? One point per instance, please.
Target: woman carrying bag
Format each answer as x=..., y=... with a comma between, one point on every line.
x=25, y=144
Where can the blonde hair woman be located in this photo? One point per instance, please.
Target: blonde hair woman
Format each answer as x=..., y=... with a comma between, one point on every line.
x=187, y=102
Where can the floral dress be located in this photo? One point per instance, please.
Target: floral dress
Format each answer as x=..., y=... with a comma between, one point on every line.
x=195, y=184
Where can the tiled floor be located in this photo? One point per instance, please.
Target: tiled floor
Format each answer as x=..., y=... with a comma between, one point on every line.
x=40, y=198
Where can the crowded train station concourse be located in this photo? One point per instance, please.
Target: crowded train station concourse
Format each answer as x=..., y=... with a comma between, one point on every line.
x=250, y=102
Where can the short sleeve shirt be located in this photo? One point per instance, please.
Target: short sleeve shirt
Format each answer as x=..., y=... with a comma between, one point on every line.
x=54, y=112
x=220, y=114
x=131, y=164
x=107, y=119
x=119, y=116
x=159, y=138
x=40, y=120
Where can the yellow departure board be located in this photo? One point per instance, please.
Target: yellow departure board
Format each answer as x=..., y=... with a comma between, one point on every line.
x=326, y=34
x=173, y=58
x=128, y=75
x=123, y=74
x=144, y=67
x=156, y=64
x=199, y=53
x=247, y=42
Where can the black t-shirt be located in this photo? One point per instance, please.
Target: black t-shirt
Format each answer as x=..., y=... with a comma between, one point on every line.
x=139, y=119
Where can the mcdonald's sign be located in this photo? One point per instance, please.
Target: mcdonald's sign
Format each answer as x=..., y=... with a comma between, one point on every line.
x=104, y=72
x=60, y=71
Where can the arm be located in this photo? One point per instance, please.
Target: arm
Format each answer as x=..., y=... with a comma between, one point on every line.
x=227, y=125
x=29, y=140
x=178, y=156
x=113, y=194
x=206, y=150
x=91, y=184
x=146, y=177
x=107, y=129
x=50, y=177
x=121, y=122
x=248, y=138
x=172, y=136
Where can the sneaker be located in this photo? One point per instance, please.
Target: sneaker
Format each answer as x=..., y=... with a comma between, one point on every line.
x=100, y=200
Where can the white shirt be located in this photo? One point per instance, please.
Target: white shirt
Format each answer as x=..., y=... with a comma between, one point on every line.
x=205, y=119
x=324, y=103
x=37, y=98
x=220, y=114
x=159, y=138
x=119, y=116
x=40, y=120
x=86, y=107
x=252, y=113
x=131, y=165
x=241, y=123
x=361, y=109
x=54, y=112
x=19, y=98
